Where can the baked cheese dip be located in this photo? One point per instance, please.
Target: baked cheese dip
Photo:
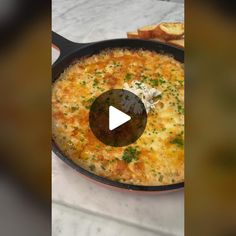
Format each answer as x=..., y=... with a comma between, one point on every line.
x=157, y=157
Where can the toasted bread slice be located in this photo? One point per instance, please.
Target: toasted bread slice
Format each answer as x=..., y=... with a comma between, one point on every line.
x=169, y=30
x=158, y=39
x=132, y=35
x=146, y=32
x=177, y=42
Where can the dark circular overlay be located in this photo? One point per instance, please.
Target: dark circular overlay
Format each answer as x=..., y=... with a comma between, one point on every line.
x=126, y=102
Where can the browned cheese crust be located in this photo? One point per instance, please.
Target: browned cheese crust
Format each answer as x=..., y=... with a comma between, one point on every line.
x=157, y=157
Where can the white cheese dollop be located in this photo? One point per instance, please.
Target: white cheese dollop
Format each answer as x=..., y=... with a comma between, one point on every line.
x=144, y=92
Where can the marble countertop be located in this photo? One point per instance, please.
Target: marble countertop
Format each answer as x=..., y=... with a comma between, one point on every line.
x=81, y=207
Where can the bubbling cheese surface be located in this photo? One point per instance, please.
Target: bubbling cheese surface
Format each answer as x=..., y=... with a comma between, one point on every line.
x=157, y=157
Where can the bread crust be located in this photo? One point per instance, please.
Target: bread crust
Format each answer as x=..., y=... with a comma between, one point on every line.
x=146, y=32
x=178, y=42
x=169, y=31
x=159, y=40
x=133, y=35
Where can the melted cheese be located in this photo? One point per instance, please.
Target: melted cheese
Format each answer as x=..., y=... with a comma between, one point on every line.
x=160, y=149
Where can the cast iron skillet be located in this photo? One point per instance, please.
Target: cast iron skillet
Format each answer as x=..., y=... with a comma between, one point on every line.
x=69, y=51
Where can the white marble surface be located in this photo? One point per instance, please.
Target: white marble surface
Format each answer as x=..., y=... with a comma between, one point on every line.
x=92, y=20
x=79, y=206
x=69, y=221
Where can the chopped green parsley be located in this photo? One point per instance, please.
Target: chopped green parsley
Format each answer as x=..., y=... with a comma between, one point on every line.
x=130, y=154
x=128, y=77
x=178, y=140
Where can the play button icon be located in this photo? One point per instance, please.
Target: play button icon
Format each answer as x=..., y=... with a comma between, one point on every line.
x=117, y=117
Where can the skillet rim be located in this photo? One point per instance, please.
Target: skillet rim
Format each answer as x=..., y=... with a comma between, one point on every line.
x=74, y=50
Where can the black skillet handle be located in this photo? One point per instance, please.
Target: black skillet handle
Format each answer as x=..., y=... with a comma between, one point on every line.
x=64, y=45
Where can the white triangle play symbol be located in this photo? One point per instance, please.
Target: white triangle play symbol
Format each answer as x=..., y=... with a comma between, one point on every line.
x=117, y=118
